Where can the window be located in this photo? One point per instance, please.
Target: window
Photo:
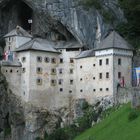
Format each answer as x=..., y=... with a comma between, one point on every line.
x=61, y=60
x=71, y=60
x=107, y=89
x=23, y=59
x=60, y=81
x=81, y=79
x=119, y=61
x=94, y=65
x=60, y=71
x=70, y=91
x=94, y=90
x=101, y=89
x=93, y=78
x=107, y=75
x=39, y=70
x=47, y=59
x=81, y=90
x=23, y=70
x=39, y=59
x=6, y=71
x=39, y=81
x=119, y=75
x=53, y=60
x=107, y=61
x=53, y=71
x=61, y=89
x=71, y=71
x=71, y=82
x=80, y=67
x=53, y=82
x=100, y=76
x=100, y=62
x=11, y=71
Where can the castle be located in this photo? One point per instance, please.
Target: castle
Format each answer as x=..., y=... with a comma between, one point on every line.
x=50, y=73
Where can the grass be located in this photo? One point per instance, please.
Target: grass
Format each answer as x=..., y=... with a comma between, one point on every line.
x=116, y=126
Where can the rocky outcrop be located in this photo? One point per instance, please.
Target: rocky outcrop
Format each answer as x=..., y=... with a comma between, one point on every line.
x=23, y=121
x=66, y=19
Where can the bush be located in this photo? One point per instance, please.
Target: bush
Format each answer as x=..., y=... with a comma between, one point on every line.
x=133, y=115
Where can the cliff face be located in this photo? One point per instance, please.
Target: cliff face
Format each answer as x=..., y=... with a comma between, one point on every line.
x=22, y=121
x=66, y=18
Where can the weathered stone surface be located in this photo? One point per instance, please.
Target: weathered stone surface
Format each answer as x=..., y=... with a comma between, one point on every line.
x=64, y=17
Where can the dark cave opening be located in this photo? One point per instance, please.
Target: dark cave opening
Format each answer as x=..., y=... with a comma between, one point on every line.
x=25, y=16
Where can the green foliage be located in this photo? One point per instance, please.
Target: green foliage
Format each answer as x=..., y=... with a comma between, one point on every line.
x=91, y=3
x=133, y=115
x=131, y=29
x=7, y=131
x=115, y=127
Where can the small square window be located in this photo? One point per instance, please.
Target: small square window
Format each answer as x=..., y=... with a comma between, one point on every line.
x=47, y=59
x=107, y=89
x=53, y=82
x=101, y=89
x=60, y=81
x=53, y=71
x=100, y=76
x=39, y=81
x=71, y=82
x=70, y=91
x=11, y=71
x=39, y=59
x=94, y=65
x=23, y=70
x=100, y=62
x=53, y=60
x=93, y=78
x=107, y=75
x=81, y=90
x=61, y=89
x=119, y=75
x=81, y=67
x=60, y=71
x=94, y=90
x=61, y=60
x=119, y=61
x=39, y=70
x=81, y=79
x=107, y=61
x=23, y=59
x=71, y=71
x=71, y=60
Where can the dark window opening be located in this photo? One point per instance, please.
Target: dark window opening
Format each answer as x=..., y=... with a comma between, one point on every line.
x=94, y=90
x=81, y=67
x=39, y=59
x=60, y=81
x=94, y=65
x=39, y=81
x=119, y=75
x=11, y=71
x=100, y=62
x=53, y=60
x=71, y=60
x=81, y=90
x=61, y=89
x=47, y=59
x=39, y=70
x=101, y=89
x=71, y=71
x=61, y=60
x=93, y=78
x=107, y=61
x=119, y=61
x=60, y=71
x=70, y=91
x=100, y=76
x=81, y=79
x=107, y=89
x=71, y=82
x=107, y=75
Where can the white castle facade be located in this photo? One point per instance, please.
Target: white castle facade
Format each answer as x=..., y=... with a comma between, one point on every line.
x=49, y=74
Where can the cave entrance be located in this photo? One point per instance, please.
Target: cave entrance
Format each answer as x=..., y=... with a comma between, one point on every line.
x=25, y=16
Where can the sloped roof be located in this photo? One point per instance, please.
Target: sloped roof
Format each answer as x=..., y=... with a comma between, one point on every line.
x=67, y=45
x=85, y=54
x=19, y=31
x=10, y=63
x=39, y=45
x=114, y=40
